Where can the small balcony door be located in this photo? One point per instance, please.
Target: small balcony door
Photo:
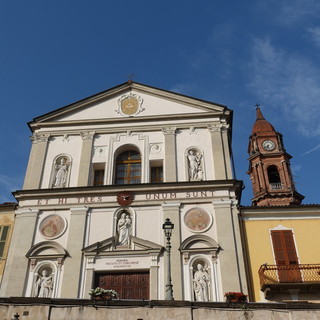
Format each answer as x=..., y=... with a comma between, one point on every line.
x=286, y=256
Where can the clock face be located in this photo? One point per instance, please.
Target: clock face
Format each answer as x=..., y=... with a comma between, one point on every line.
x=268, y=145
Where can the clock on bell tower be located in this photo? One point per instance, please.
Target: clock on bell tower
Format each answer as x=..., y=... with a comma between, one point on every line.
x=269, y=166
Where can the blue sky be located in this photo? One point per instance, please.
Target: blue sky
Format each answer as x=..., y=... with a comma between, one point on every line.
x=236, y=53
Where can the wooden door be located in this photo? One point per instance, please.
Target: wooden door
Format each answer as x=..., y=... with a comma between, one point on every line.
x=286, y=256
x=133, y=285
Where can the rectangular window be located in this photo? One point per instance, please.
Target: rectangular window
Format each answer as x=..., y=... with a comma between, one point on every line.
x=98, y=174
x=156, y=174
x=4, y=230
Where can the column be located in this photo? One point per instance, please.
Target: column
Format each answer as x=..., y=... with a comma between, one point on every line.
x=230, y=257
x=219, y=164
x=73, y=263
x=37, y=156
x=170, y=162
x=85, y=158
x=172, y=211
x=14, y=278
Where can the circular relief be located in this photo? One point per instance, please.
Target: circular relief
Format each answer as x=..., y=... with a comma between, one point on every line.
x=197, y=220
x=129, y=105
x=52, y=226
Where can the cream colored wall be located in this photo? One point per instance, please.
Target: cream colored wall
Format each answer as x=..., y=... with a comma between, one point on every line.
x=201, y=139
x=260, y=251
x=152, y=105
x=70, y=146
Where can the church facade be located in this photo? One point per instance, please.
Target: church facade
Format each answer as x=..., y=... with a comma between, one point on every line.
x=103, y=176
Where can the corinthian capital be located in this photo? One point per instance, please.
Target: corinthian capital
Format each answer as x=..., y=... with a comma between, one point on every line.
x=39, y=137
x=88, y=135
x=169, y=130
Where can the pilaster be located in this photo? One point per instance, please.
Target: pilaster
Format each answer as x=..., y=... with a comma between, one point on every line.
x=170, y=160
x=228, y=236
x=172, y=211
x=36, y=161
x=218, y=150
x=85, y=158
x=14, y=279
x=73, y=264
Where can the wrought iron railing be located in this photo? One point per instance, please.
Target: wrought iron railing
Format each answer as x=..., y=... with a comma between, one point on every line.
x=276, y=186
x=297, y=273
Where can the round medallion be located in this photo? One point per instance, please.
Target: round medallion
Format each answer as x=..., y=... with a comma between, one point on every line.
x=197, y=220
x=52, y=226
x=268, y=145
x=129, y=106
x=125, y=198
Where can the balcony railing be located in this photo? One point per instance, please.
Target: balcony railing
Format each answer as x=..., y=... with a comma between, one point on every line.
x=298, y=273
x=276, y=186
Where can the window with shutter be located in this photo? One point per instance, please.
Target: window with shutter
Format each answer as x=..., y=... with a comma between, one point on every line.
x=3, y=238
x=286, y=256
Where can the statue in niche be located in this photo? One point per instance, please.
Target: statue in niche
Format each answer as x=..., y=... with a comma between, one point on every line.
x=201, y=283
x=43, y=286
x=195, y=165
x=61, y=172
x=124, y=229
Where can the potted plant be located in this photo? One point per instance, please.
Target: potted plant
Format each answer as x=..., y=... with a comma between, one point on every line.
x=100, y=293
x=235, y=297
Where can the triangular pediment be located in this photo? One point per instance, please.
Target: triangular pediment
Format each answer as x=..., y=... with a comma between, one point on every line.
x=130, y=101
x=109, y=245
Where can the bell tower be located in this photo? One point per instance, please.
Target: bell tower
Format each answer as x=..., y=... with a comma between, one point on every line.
x=269, y=167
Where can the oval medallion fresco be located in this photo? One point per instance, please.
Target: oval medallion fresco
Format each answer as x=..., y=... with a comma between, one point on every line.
x=52, y=226
x=197, y=220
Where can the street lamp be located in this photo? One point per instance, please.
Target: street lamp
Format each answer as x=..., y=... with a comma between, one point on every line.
x=167, y=228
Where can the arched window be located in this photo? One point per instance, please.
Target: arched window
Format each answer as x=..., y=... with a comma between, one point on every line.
x=274, y=177
x=128, y=167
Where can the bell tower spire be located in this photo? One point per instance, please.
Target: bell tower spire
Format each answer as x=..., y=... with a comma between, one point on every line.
x=269, y=166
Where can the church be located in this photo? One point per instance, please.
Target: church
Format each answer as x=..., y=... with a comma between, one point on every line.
x=106, y=176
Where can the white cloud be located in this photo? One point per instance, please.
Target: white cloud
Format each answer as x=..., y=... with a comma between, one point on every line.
x=288, y=82
x=294, y=10
x=315, y=35
x=312, y=150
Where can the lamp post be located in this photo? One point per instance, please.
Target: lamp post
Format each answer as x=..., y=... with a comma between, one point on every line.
x=167, y=228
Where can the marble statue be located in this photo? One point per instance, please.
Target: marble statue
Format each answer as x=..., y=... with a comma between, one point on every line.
x=201, y=283
x=195, y=167
x=61, y=173
x=124, y=229
x=43, y=285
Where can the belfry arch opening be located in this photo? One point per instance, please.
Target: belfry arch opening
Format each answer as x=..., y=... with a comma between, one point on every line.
x=274, y=177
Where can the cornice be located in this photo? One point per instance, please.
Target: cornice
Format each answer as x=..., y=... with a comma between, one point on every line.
x=213, y=185
x=215, y=116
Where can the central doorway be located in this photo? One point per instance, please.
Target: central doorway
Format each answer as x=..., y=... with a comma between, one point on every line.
x=129, y=285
